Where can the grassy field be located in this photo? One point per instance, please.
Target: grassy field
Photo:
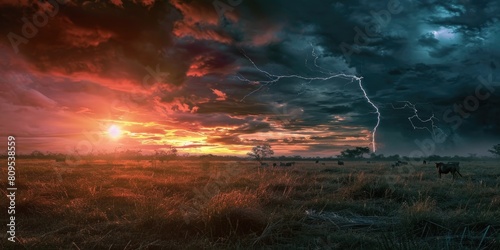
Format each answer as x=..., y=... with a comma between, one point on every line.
x=237, y=205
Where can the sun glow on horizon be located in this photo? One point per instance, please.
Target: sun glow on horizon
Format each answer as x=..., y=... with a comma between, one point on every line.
x=114, y=132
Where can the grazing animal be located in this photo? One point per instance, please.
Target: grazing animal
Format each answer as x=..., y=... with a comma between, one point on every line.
x=317, y=161
x=264, y=164
x=289, y=164
x=282, y=164
x=340, y=162
x=274, y=164
x=425, y=162
x=452, y=167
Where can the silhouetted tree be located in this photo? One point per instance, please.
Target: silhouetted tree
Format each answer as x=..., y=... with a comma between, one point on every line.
x=377, y=157
x=357, y=152
x=495, y=150
x=261, y=152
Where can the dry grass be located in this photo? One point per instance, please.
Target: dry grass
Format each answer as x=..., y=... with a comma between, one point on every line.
x=236, y=205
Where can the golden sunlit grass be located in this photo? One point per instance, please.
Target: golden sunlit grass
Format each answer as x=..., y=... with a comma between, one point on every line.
x=236, y=205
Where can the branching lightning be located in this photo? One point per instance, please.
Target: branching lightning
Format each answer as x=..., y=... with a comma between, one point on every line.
x=415, y=115
x=276, y=78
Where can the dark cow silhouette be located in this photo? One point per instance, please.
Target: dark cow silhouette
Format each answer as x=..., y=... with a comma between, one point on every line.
x=399, y=163
x=452, y=167
x=340, y=162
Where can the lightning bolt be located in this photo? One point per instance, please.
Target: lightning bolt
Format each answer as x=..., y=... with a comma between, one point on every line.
x=376, y=111
x=431, y=119
x=273, y=78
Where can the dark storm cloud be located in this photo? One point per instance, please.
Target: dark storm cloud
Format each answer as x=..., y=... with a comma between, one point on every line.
x=234, y=108
x=124, y=42
x=99, y=39
x=420, y=55
x=468, y=15
x=246, y=126
x=428, y=40
x=252, y=126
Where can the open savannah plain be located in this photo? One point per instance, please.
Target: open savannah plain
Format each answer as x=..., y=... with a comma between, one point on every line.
x=240, y=205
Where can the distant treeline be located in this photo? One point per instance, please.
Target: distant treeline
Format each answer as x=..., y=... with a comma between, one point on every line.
x=173, y=155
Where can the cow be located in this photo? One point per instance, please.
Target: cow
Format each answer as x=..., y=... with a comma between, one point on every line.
x=452, y=167
x=282, y=164
x=340, y=162
x=425, y=162
x=397, y=164
x=289, y=164
x=274, y=164
x=317, y=161
x=263, y=164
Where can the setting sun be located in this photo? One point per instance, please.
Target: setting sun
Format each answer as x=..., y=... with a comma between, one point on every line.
x=114, y=132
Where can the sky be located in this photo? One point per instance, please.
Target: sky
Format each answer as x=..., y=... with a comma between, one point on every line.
x=309, y=78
